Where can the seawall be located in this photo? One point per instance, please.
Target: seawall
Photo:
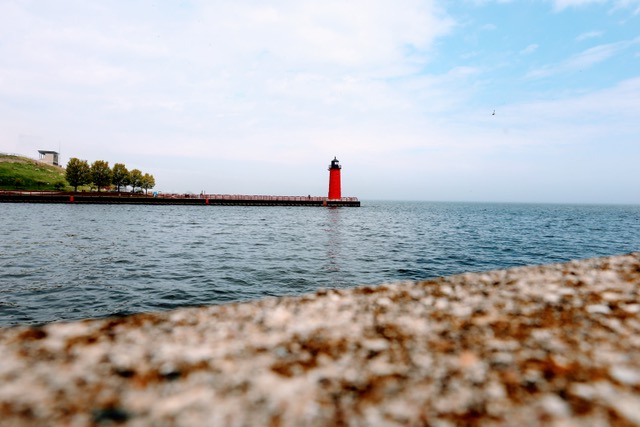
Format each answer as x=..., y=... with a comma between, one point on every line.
x=189, y=200
x=542, y=345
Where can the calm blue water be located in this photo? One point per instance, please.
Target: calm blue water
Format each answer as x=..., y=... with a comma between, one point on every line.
x=64, y=262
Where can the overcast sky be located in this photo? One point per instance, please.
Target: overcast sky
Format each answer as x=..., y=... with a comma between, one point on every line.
x=255, y=97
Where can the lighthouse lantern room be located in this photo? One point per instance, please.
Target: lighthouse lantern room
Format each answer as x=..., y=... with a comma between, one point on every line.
x=335, y=192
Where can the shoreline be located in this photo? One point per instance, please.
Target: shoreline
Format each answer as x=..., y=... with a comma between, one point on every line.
x=543, y=345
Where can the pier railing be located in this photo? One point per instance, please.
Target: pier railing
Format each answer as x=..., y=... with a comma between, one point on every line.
x=34, y=192
x=256, y=197
x=274, y=198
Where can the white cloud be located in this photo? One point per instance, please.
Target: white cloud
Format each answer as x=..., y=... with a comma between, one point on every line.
x=589, y=35
x=584, y=59
x=624, y=4
x=560, y=5
x=220, y=82
x=237, y=60
x=563, y=4
x=529, y=49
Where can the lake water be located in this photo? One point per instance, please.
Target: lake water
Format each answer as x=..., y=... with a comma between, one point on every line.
x=67, y=262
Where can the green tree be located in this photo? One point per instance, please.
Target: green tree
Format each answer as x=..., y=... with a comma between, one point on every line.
x=148, y=181
x=120, y=176
x=135, y=179
x=78, y=173
x=100, y=174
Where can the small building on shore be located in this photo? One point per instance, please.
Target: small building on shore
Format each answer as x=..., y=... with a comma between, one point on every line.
x=50, y=157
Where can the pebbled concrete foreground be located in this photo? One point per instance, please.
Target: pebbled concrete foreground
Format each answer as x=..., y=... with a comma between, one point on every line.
x=549, y=345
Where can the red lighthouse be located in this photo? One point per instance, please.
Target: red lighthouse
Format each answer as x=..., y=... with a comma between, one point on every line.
x=335, y=192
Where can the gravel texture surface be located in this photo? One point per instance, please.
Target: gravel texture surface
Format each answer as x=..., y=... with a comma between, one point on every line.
x=549, y=345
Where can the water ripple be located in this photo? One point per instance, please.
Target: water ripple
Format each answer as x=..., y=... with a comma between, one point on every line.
x=65, y=262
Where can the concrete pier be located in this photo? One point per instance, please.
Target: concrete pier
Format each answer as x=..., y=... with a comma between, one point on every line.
x=536, y=346
x=174, y=199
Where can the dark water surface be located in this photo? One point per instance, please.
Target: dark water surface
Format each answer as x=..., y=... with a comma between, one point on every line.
x=65, y=262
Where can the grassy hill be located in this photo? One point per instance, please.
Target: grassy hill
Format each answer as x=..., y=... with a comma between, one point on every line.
x=22, y=173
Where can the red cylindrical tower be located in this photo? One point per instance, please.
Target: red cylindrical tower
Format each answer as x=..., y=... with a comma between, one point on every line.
x=335, y=193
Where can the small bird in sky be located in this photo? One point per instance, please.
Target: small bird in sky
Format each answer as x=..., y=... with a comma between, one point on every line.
x=494, y=113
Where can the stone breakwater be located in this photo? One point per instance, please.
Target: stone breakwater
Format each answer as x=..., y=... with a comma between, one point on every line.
x=548, y=345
